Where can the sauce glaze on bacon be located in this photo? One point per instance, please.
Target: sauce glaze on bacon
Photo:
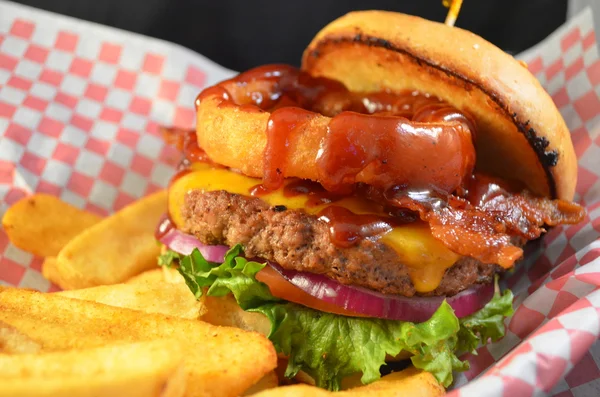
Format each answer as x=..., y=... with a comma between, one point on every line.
x=491, y=223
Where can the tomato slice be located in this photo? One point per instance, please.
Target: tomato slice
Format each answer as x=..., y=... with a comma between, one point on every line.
x=281, y=288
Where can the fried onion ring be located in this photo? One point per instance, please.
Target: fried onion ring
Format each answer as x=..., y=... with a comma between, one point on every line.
x=276, y=122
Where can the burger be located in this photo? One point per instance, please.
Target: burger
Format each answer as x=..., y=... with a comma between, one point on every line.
x=359, y=210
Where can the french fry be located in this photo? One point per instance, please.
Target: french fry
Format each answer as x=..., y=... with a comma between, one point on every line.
x=157, y=297
x=269, y=381
x=410, y=382
x=43, y=224
x=219, y=361
x=224, y=311
x=12, y=341
x=153, y=368
x=299, y=390
x=115, y=249
x=159, y=274
x=50, y=272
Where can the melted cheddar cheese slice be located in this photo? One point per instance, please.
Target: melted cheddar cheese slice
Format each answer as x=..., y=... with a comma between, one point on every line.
x=426, y=257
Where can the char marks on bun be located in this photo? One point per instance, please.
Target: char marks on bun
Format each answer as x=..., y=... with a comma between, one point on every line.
x=520, y=131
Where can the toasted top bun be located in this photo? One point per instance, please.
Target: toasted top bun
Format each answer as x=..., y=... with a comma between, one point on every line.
x=521, y=134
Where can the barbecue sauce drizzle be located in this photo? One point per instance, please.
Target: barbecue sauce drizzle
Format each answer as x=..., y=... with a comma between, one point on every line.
x=417, y=151
x=367, y=131
x=346, y=228
x=407, y=138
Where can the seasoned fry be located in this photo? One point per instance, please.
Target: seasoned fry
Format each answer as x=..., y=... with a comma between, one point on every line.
x=114, y=249
x=14, y=342
x=223, y=310
x=269, y=381
x=153, y=368
x=49, y=271
x=43, y=224
x=157, y=275
x=299, y=390
x=157, y=297
x=219, y=361
x=410, y=382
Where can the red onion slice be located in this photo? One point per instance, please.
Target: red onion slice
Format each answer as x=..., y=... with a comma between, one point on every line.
x=353, y=299
x=184, y=244
x=392, y=307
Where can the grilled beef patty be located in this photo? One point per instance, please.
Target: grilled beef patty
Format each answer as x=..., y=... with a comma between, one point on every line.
x=299, y=241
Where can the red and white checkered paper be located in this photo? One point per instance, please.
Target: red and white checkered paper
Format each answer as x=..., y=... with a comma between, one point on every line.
x=79, y=109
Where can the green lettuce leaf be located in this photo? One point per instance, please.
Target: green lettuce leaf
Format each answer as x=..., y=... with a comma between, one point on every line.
x=330, y=347
x=167, y=258
x=486, y=324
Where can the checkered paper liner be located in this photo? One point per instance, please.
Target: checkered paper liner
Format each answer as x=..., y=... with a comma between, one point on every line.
x=80, y=106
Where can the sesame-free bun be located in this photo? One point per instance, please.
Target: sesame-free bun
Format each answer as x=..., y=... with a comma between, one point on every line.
x=521, y=135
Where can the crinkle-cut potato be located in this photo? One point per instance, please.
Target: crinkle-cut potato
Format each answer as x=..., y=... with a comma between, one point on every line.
x=115, y=249
x=410, y=382
x=269, y=381
x=158, y=297
x=13, y=341
x=144, y=369
x=43, y=224
x=219, y=361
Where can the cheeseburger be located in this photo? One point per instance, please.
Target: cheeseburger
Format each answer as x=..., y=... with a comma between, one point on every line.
x=357, y=210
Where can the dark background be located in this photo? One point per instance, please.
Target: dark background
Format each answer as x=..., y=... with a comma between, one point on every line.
x=242, y=34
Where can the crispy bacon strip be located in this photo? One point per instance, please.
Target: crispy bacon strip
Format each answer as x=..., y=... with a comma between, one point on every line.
x=493, y=230
x=490, y=224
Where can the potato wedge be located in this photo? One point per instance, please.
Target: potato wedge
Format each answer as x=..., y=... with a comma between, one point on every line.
x=157, y=297
x=299, y=390
x=269, y=381
x=224, y=311
x=153, y=368
x=219, y=361
x=159, y=274
x=114, y=249
x=50, y=272
x=12, y=341
x=43, y=224
x=410, y=382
